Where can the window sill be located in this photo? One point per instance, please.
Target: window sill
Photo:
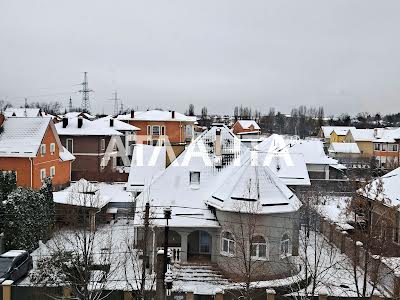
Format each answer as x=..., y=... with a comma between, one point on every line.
x=283, y=256
x=227, y=254
x=255, y=258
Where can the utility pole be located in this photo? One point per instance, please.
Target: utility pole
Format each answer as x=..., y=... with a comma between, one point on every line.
x=85, y=94
x=70, y=104
x=115, y=99
x=145, y=256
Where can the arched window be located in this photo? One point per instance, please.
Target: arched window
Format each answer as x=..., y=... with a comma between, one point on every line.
x=258, y=248
x=228, y=243
x=285, y=245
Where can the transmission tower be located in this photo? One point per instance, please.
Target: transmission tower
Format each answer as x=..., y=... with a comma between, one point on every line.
x=85, y=94
x=115, y=99
x=70, y=104
x=121, y=109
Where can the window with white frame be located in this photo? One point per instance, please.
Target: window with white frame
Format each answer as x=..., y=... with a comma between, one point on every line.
x=384, y=147
x=285, y=245
x=228, y=243
x=52, y=148
x=43, y=149
x=70, y=145
x=10, y=172
x=155, y=130
x=103, y=144
x=42, y=174
x=194, y=177
x=52, y=171
x=162, y=130
x=377, y=147
x=258, y=248
x=392, y=147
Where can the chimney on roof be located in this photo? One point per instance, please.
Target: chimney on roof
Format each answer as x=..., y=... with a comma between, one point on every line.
x=111, y=122
x=132, y=114
x=375, y=132
x=218, y=147
x=80, y=122
x=64, y=122
x=173, y=114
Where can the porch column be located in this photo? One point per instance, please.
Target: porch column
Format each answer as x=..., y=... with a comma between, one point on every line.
x=184, y=238
x=214, y=246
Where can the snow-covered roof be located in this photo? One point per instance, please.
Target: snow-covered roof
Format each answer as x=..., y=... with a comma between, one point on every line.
x=13, y=253
x=88, y=128
x=290, y=167
x=157, y=115
x=22, y=112
x=246, y=124
x=82, y=193
x=189, y=200
x=115, y=192
x=75, y=114
x=148, y=162
x=385, y=189
x=21, y=137
x=363, y=135
x=387, y=135
x=340, y=130
x=350, y=148
x=65, y=155
x=118, y=124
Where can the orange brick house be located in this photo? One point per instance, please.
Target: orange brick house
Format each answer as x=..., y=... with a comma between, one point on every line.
x=158, y=126
x=31, y=147
x=246, y=128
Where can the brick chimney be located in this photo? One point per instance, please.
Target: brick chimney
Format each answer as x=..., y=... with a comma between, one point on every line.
x=64, y=122
x=80, y=122
x=132, y=114
x=173, y=114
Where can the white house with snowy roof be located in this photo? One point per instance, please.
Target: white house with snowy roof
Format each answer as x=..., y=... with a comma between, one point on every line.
x=211, y=186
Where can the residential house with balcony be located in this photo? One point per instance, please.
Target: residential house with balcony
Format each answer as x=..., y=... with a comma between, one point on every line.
x=90, y=143
x=387, y=147
x=212, y=185
x=31, y=147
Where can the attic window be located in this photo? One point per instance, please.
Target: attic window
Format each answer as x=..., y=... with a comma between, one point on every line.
x=194, y=177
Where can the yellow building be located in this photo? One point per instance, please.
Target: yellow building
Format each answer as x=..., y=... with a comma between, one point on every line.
x=338, y=135
x=363, y=138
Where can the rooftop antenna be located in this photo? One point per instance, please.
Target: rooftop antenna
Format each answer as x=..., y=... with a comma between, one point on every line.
x=85, y=94
x=115, y=99
x=26, y=104
x=70, y=104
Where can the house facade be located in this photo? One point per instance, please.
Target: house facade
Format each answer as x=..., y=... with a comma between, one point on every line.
x=89, y=142
x=30, y=146
x=387, y=147
x=246, y=129
x=209, y=194
x=159, y=127
x=363, y=138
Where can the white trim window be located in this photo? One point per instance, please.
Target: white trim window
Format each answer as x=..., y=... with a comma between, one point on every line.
x=259, y=248
x=42, y=174
x=52, y=148
x=228, y=244
x=43, y=149
x=103, y=144
x=285, y=246
x=52, y=171
x=194, y=177
x=9, y=172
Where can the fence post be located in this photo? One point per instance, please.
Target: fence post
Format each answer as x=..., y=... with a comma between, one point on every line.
x=396, y=287
x=323, y=294
x=219, y=295
x=190, y=295
x=270, y=294
x=6, y=285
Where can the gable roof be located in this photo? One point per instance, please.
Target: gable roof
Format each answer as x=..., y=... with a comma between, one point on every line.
x=387, y=135
x=363, y=135
x=75, y=114
x=189, y=200
x=157, y=115
x=88, y=128
x=327, y=130
x=22, y=137
x=245, y=124
x=20, y=112
x=351, y=148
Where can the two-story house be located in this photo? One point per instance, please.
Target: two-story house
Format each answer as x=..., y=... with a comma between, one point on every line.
x=89, y=142
x=30, y=146
x=213, y=192
x=387, y=147
x=160, y=127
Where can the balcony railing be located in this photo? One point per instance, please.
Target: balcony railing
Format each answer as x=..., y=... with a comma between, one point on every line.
x=175, y=253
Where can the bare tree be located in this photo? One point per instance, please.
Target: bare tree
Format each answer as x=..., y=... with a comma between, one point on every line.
x=80, y=256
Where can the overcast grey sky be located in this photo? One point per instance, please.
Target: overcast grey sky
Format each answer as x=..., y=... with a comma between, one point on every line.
x=342, y=54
